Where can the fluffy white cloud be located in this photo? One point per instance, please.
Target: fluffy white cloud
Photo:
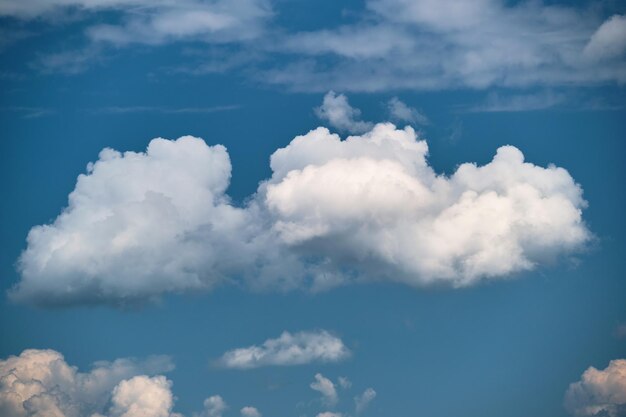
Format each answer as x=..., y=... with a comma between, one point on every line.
x=398, y=110
x=412, y=225
x=325, y=387
x=600, y=393
x=137, y=225
x=214, y=406
x=250, y=412
x=40, y=383
x=142, y=396
x=362, y=401
x=289, y=349
x=334, y=211
x=336, y=110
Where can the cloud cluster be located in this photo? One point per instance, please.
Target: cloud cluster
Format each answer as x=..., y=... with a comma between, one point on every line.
x=288, y=349
x=599, y=393
x=40, y=383
x=334, y=211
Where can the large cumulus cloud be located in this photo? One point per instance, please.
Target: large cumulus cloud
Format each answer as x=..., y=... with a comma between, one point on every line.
x=600, y=392
x=334, y=211
x=39, y=383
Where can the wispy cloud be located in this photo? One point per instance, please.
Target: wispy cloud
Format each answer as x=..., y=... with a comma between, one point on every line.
x=164, y=110
x=27, y=112
x=496, y=102
x=288, y=349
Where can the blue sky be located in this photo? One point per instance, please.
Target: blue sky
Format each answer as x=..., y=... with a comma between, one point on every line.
x=466, y=260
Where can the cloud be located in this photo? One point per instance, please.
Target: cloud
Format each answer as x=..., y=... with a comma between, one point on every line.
x=609, y=41
x=139, y=225
x=214, y=406
x=325, y=387
x=362, y=401
x=518, y=102
x=344, y=382
x=40, y=383
x=600, y=393
x=289, y=349
x=329, y=414
x=338, y=113
x=398, y=110
x=142, y=396
x=434, y=45
x=250, y=412
x=165, y=110
x=157, y=22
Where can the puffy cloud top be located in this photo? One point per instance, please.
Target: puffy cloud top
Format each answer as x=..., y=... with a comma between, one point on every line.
x=599, y=392
x=369, y=207
x=40, y=383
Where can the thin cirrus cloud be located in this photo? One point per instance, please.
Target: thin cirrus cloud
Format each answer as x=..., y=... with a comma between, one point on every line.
x=599, y=392
x=287, y=350
x=155, y=22
x=141, y=224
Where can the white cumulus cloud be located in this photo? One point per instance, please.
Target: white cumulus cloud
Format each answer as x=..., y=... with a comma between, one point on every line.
x=40, y=383
x=599, y=393
x=368, y=207
x=288, y=349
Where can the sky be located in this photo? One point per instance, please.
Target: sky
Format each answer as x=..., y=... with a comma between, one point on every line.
x=252, y=208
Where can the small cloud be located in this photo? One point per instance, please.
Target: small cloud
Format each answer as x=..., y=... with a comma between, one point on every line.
x=344, y=382
x=214, y=406
x=250, y=412
x=325, y=387
x=398, y=110
x=329, y=414
x=362, y=401
x=288, y=349
x=336, y=110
